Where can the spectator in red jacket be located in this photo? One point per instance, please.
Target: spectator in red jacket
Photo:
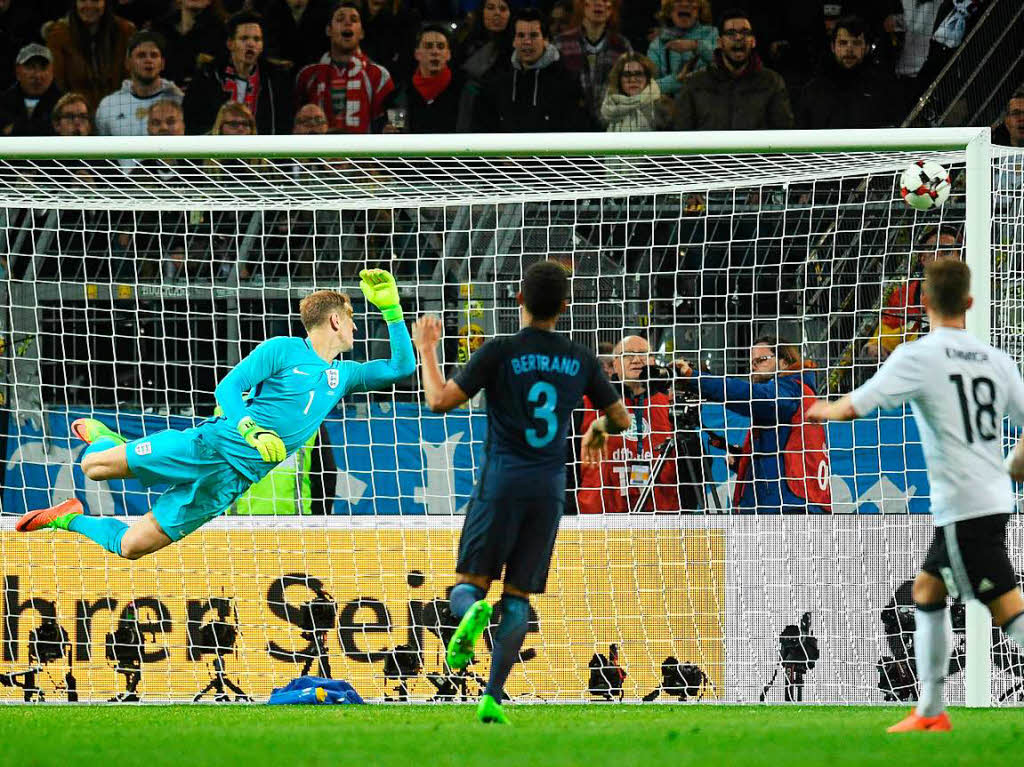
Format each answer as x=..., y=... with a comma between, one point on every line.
x=352, y=90
x=902, y=312
x=616, y=484
x=431, y=96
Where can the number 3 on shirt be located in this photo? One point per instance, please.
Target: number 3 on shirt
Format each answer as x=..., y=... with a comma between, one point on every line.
x=543, y=412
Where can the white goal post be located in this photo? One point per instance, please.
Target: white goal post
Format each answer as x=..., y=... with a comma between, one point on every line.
x=126, y=293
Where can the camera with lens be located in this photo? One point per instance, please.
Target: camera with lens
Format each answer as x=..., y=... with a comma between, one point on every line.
x=219, y=634
x=402, y=662
x=606, y=675
x=658, y=378
x=48, y=642
x=798, y=648
x=682, y=681
x=318, y=614
x=798, y=654
x=124, y=645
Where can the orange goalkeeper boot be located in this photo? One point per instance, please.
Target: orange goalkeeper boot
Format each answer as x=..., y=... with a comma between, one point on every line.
x=56, y=516
x=914, y=723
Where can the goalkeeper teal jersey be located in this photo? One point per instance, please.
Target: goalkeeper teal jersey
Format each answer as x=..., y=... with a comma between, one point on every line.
x=292, y=390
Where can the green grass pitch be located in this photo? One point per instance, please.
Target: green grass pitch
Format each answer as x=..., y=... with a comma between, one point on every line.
x=426, y=736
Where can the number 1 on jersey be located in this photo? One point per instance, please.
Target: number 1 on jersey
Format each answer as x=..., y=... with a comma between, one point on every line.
x=311, y=395
x=544, y=412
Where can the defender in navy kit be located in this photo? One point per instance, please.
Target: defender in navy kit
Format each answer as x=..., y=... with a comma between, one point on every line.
x=533, y=381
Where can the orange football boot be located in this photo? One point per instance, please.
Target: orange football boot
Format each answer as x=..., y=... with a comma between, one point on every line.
x=913, y=723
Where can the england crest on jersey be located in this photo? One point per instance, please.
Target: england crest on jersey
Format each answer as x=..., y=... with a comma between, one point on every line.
x=333, y=378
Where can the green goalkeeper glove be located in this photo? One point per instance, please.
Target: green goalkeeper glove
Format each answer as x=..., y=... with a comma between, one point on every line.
x=379, y=288
x=266, y=441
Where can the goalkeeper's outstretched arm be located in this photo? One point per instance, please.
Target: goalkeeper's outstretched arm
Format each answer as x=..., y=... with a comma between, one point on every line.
x=380, y=289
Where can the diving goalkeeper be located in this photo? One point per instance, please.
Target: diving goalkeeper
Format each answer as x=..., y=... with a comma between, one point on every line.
x=293, y=384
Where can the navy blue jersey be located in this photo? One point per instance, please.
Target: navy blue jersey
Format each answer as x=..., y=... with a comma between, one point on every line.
x=533, y=381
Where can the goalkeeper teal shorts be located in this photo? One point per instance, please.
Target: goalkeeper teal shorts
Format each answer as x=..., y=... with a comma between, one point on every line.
x=202, y=484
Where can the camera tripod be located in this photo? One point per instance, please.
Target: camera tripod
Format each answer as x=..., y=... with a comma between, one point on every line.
x=318, y=639
x=687, y=456
x=132, y=672
x=218, y=683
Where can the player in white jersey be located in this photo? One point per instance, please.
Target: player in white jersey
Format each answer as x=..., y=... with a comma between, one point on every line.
x=959, y=389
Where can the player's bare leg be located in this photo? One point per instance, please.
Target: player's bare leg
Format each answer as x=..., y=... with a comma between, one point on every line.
x=1006, y=608
x=933, y=643
x=103, y=459
x=143, y=537
x=108, y=464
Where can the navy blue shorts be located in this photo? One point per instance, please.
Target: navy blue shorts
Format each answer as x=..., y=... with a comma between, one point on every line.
x=510, y=533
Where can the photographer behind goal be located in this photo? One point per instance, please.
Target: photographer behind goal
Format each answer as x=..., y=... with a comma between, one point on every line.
x=615, y=485
x=783, y=466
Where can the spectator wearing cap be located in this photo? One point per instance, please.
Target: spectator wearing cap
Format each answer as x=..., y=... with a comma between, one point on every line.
x=243, y=75
x=683, y=46
x=193, y=28
x=26, y=106
x=89, y=48
x=536, y=94
x=20, y=24
x=1011, y=131
x=351, y=89
x=589, y=50
x=125, y=113
x=431, y=96
x=737, y=92
x=849, y=93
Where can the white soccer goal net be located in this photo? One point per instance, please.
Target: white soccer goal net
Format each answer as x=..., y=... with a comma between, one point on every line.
x=126, y=296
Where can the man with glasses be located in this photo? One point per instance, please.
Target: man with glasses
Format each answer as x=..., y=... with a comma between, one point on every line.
x=614, y=485
x=1011, y=132
x=736, y=92
x=71, y=116
x=783, y=465
x=902, y=312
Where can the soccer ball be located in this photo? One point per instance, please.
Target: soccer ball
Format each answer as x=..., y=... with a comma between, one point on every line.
x=925, y=185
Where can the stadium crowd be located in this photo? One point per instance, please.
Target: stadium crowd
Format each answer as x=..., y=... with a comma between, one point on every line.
x=438, y=66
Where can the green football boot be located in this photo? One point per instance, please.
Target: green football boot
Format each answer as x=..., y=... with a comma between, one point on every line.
x=472, y=625
x=489, y=711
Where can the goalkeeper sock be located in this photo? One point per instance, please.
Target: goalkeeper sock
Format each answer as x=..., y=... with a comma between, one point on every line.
x=106, y=531
x=933, y=642
x=464, y=596
x=103, y=443
x=508, y=639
